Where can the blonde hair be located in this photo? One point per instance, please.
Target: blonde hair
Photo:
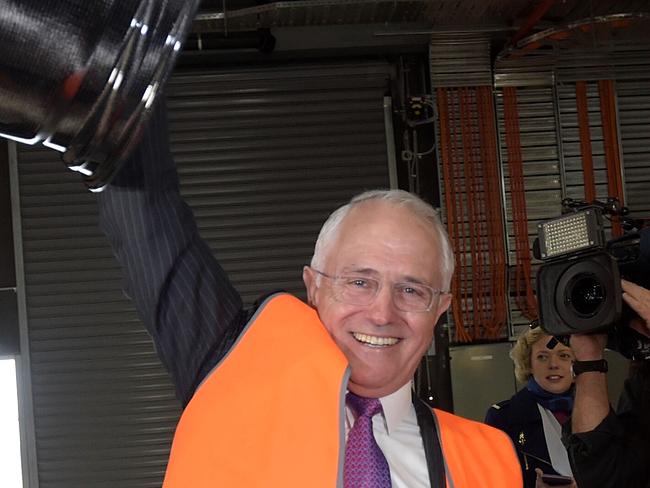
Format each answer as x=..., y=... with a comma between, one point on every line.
x=520, y=353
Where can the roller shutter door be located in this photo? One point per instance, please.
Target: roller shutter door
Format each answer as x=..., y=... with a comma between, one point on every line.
x=263, y=156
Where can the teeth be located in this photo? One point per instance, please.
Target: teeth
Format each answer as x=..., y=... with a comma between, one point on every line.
x=374, y=340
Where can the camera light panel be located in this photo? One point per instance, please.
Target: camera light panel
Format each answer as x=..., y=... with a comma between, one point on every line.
x=569, y=233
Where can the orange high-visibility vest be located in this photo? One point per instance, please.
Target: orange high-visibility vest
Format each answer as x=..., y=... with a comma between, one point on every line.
x=271, y=414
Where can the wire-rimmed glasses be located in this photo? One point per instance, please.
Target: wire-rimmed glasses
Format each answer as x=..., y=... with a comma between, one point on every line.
x=362, y=290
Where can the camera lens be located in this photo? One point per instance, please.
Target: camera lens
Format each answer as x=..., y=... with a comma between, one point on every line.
x=586, y=294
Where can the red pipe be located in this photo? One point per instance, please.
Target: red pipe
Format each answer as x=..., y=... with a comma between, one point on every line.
x=532, y=20
x=585, y=141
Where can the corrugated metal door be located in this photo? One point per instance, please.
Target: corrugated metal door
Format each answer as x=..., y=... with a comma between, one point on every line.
x=263, y=155
x=571, y=150
x=541, y=169
x=634, y=125
x=471, y=198
x=630, y=69
x=550, y=137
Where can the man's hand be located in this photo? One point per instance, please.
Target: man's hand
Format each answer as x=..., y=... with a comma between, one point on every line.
x=592, y=402
x=588, y=347
x=638, y=298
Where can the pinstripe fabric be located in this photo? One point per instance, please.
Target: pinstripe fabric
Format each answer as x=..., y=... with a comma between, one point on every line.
x=182, y=294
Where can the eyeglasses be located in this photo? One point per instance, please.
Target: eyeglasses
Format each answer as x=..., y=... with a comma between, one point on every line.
x=362, y=290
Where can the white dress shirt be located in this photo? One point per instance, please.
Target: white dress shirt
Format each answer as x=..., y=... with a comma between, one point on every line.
x=398, y=434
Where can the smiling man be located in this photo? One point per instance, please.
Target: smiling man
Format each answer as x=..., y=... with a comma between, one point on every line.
x=378, y=279
x=292, y=394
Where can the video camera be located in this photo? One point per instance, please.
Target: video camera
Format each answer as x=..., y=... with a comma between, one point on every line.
x=578, y=285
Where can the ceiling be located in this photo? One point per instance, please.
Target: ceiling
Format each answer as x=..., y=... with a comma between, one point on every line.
x=514, y=27
x=437, y=14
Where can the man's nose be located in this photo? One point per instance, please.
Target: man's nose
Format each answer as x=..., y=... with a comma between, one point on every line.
x=382, y=308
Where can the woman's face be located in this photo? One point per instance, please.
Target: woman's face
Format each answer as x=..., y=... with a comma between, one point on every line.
x=551, y=368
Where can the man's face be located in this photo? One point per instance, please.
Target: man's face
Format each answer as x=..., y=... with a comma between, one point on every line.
x=387, y=243
x=551, y=368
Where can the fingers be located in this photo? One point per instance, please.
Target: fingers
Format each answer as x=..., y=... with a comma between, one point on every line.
x=588, y=347
x=538, y=481
x=638, y=298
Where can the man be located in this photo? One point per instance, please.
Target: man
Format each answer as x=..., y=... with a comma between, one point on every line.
x=265, y=391
x=609, y=449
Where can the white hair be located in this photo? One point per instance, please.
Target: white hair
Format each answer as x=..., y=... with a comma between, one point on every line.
x=399, y=198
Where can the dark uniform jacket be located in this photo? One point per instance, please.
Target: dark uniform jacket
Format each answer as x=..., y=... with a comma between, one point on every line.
x=519, y=417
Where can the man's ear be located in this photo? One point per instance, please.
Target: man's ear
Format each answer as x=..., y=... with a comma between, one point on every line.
x=443, y=305
x=309, y=278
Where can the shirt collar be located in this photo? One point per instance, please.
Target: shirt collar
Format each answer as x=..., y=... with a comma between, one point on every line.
x=396, y=406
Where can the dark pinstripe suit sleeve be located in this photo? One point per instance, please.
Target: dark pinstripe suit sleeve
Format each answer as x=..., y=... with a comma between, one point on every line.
x=182, y=294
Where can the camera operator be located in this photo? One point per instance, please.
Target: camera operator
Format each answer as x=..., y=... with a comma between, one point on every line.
x=607, y=448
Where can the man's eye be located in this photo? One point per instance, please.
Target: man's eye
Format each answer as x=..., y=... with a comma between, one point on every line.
x=357, y=282
x=411, y=291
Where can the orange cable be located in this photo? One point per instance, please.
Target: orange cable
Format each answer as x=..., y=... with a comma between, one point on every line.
x=461, y=333
x=585, y=141
x=612, y=154
x=495, y=230
x=523, y=271
x=468, y=168
x=452, y=220
x=481, y=224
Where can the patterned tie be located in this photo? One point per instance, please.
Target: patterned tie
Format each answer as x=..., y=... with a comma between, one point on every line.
x=365, y=464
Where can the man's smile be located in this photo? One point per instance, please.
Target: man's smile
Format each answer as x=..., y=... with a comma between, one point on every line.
x=375, y=341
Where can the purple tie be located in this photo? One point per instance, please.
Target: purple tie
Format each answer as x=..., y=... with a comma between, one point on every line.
x=365, y=464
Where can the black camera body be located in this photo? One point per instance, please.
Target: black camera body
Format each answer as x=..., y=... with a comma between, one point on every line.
x=578, y=284
x=581, y=293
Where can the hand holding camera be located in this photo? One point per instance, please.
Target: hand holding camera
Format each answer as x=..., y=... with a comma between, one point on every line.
x=638, y=298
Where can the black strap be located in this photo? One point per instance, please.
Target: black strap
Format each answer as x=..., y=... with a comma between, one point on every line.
x=432, y=448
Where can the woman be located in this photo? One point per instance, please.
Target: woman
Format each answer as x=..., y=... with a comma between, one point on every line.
x=533, y=417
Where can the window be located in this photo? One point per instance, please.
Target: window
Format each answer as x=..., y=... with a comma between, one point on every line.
x=10, y=466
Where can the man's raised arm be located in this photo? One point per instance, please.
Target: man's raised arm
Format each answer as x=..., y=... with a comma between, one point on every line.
x=182, y=294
